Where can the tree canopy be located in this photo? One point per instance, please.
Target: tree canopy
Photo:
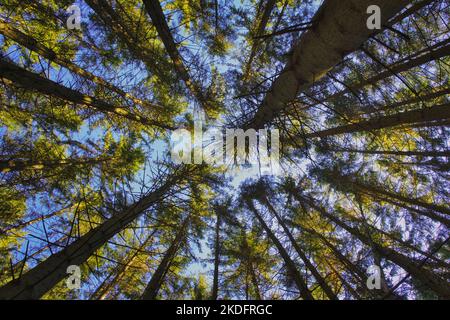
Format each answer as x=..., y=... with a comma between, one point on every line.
x=87, y=178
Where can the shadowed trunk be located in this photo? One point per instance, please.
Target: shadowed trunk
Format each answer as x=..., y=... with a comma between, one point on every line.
x=153, y=8
x=259, y=32
x=396, y=153
x=416, y=99
x=34, y=82
x=290, y=265
x=33, y=45
x=320, y=280
x=409, y=117
x=411, y=62
x=152, y=289
x=20, y=165
x=426, y=277
x=215, y=288
x=255, y=281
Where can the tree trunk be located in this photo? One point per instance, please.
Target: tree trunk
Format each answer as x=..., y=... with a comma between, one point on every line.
x=357, y=272
x=396, y=153
x=415, y=116
x=153, y=8
x=320, y=280
x=37, y=281
x=438, y=262
x=424, y=276
x=352, y=291
x=34, y=82
x=290, y=265
x=215, y=288
x=102, y=291
x=260, y=31
x=255, y=281
x=411, y=62
x=382, y=194
x=377, y=191
x=33, y=45
x=21, y=165
x=416, y=99
x=340, y=28
x=152, y=289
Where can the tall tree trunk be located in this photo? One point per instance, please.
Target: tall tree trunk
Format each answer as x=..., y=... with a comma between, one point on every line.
x=438, y=262
x=427, y=213
x=352, y=291
x=33, y=45
x=215, y=288
x=440, y=50
x=320, y=280
x=136, y=47
x=153, y=8
x=34, y=82
x=21, y=165
x=415, y=116
x=268, y=8
x=152, y=289
x=396, y=153
x=415, y=99
x=385, y=290
x=357, y=272
x=374, y=190
x=340, y=28
x=382, y=194
x=37, y=281
x=426, y=277
x=255, y=281
x=290, y=265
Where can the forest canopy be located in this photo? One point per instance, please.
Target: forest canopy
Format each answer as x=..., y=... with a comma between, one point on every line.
x=94, y=207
